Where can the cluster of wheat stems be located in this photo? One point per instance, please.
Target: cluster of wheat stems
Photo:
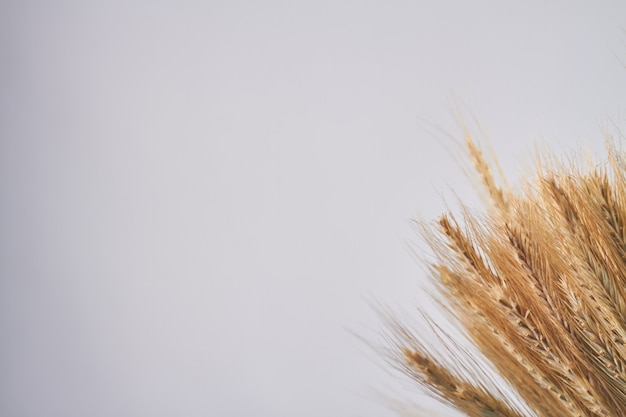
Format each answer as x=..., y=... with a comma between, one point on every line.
x=538, y=282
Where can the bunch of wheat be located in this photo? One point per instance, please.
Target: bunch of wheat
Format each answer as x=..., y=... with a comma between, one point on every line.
x=539, y=284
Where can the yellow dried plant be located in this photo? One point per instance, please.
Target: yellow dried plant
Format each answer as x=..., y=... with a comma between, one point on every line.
x=538, y=282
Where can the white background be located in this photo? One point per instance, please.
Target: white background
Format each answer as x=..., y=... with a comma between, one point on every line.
x=198, y=199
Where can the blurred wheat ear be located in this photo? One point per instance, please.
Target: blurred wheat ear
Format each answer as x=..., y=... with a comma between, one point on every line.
x=538, y=282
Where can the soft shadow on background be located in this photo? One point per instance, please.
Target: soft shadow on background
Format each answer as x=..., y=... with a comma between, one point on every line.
x=198, y=200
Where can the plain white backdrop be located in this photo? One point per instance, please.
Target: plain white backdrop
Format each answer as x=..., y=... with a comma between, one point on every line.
x=198, y=199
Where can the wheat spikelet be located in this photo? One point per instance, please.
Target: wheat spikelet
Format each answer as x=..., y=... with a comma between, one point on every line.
x=474, y=401
x=539, y=284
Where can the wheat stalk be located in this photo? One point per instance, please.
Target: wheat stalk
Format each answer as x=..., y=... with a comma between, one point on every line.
x=538, y=282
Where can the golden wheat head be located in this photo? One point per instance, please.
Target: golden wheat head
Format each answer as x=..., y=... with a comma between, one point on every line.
x=538, y=282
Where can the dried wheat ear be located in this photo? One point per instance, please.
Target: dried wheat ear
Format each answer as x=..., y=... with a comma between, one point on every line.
x=538, y=282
